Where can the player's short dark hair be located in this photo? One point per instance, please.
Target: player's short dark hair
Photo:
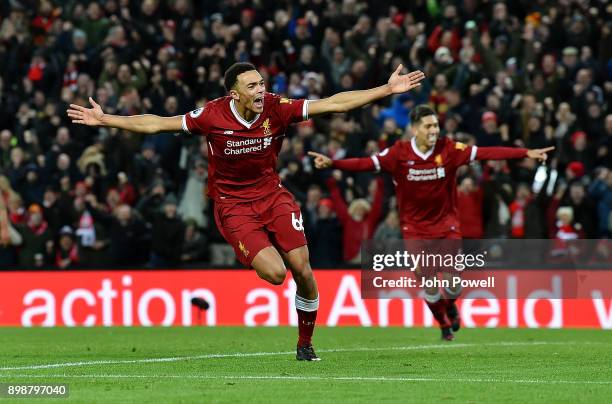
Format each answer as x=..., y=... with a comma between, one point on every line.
x=235, y=70
x=419, y=112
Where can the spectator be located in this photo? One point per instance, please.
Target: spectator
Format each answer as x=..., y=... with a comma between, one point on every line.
x=9, y=239
x=578, y=150
x=359, y=219
x=152, y=202
x=67, y=252
x=57, y=209
x=37, y=245
x=92, y=161
x=325, y=237
x=127, y=193
x=5, y=149
x=94, y=24
x=583, y=209
x=168, y=233
x=310, y=209
x=389, y=229
x=16, y=170
x=490, y=134
x=193, y=202
x=604, y=146
x=6, y=191
x=146, y=167
x=33, y=187
x=399, y=110
x=601, y=191
x=128, y=234
x=469, y=204
x=564, y=229
x=574, y=171
x=93, y=242
x=194, y=244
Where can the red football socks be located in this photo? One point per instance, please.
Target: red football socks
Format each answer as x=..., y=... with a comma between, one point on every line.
x=437, y=306
x=307, y=316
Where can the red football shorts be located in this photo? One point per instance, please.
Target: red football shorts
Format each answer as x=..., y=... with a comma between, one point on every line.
x=435, y=252
x=275, y=220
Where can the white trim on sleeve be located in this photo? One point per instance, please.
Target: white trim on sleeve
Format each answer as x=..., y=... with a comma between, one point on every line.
x=376, y=162
x=473, y=154
x=305, y=110
x=184, y=124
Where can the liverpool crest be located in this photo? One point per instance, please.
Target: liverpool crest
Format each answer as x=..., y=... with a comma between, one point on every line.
x=266, y=126
x=243, y=249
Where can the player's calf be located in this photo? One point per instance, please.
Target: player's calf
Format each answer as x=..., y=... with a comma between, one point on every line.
x=437, y=306
x=299, y=263
x=453, y=315
x=451, y=307
x=306, y=301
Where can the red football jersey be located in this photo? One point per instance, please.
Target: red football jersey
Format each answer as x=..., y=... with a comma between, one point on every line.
x=242, y=155
x=426, y=186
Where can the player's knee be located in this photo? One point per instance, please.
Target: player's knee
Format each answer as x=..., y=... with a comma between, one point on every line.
x=277, y=279
x=274, y=274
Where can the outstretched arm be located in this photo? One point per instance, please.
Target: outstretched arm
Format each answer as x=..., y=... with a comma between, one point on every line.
x=357, y=164
x=349, y=100
x=136, y=123
x=503, y=153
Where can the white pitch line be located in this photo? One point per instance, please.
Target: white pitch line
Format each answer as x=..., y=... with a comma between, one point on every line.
x=256, y=354
x=318, y=378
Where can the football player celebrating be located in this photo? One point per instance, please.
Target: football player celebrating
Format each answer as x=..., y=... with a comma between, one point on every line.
x=424, y=173
x=244, y=132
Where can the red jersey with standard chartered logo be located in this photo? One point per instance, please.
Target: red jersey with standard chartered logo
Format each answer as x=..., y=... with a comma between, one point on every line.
x=242, y=155
x=426, y=185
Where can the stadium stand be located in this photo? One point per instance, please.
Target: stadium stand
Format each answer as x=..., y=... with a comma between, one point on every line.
x=521, y=73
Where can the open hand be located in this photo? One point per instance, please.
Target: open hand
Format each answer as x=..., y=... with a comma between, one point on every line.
x=400, y=83
x=86, y=116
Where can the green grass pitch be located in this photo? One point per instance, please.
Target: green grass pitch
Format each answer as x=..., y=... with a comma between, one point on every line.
x=237, y=364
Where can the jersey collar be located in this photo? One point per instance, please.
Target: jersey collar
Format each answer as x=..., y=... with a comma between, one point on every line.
x=239, y=118
x=416, y=150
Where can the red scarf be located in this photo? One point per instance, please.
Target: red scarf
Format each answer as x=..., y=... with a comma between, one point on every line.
x=40, y=229
x=73, y=256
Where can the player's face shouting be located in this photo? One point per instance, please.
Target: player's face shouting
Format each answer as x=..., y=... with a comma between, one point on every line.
x=427, y=130
x=251, y=90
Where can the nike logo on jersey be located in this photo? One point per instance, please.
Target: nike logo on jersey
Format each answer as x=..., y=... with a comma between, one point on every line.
x=228, y=132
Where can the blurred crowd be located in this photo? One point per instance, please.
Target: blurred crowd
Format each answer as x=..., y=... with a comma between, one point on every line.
x=517, y=73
